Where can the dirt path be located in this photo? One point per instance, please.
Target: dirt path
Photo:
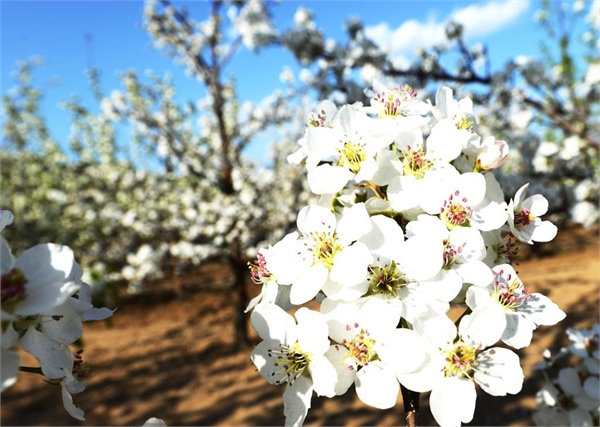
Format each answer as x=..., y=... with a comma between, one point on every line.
x=174, y=358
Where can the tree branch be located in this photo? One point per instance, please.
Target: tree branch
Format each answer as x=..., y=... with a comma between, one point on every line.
x=562, y=122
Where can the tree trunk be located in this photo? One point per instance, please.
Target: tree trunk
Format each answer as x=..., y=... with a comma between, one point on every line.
x=240, y=301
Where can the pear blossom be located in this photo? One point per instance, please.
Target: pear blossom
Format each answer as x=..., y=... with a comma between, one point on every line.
x=491, y=154
x=523, y=311
x=524, y=217
x=294, y=354
x=400, y=101
x=273, y=267
x=367, y=350
x=457, y=361
x=565, y=402
x=461, y=201
x=37, y=280
x=330, y=251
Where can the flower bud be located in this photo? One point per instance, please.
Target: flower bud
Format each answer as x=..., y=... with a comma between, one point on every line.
x=491, y=155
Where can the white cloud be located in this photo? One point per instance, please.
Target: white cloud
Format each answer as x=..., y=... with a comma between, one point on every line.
x=478, y=19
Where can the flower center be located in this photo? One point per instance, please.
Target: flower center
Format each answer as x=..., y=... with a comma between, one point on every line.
x=461, y=360
x=392, y=101
x=463, y=124
x=326, y=248
x=523, y=218
x=360, y=347
x=81, y=369
x=450, y=253
x=455, y=211
x=292, y=361
x=507, y=251
x=318, y=119
x=509, y=292
x=414, y=163
x=352, y=155
x=386, y=280
x=258, y=270
x=12, y=288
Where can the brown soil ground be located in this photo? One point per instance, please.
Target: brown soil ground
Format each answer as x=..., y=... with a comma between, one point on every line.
x=172, y=355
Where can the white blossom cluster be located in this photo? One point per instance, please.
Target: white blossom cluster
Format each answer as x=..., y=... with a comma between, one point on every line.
x=44, y=302
x=571, y=395
x=410, y=220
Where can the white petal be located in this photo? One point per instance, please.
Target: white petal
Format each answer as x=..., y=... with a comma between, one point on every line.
x=67, y=329
x=353, y=224
x=324, y=376
x=346, y=374
x=580, y=418
x=377, y=386
x=296, y=401
x=73, y=411
x=327, y=179
x=421, y=257
x=272, y=323
x=307, y=286
x=312, y=331
x=452, y=402
x=569, y=381
x=6, y=218
x=402, y=349
x=544, y=232
x=49, y=353
x=484, y=326
x=385, y=237
x=488, y=215
x=350, y=265
x=263, y=361
x=315, y=218
x=499, y=372
x=10, y=367
x=7, y=259
x=519, y=331
x=475, y=272
x=542, y=310
x=592, y=387
x=99, y=313
x=154, y=422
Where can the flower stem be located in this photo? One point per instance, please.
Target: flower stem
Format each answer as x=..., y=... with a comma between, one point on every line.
x=411, y=406
x=31, y=370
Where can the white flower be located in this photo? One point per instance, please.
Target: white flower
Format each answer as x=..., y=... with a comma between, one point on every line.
x=274, y=266
x=36, y=281
x=491, y=154
x=456, y=363
x=565, y=402
x=523, y=311
x=460, y=112
x=460, y=201
x=397, y=102
x=330, y=251
x=294, y=355
x=370, y=351
x=523, y=218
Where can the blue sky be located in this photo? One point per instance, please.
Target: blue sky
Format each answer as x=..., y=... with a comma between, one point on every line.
x=58, y=30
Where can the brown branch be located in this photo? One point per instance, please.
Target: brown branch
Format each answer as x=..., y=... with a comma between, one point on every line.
x=411, y=406
x=562, y=122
